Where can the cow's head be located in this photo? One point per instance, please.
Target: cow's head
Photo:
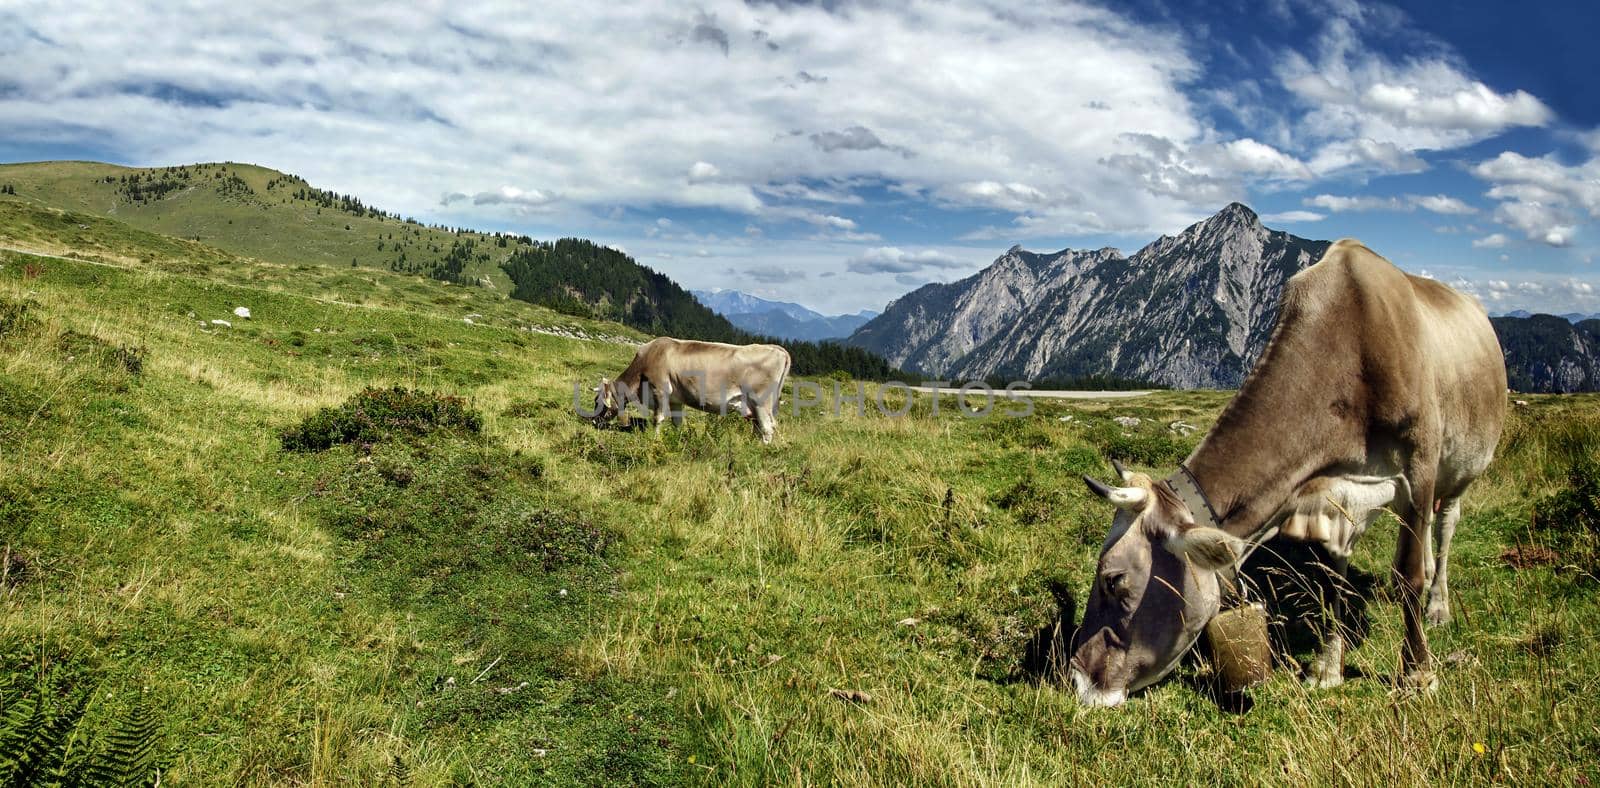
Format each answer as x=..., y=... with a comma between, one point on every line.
x=607, y=405
x=1155, y=588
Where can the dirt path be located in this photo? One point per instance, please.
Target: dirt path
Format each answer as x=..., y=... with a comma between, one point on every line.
x=1040, y=393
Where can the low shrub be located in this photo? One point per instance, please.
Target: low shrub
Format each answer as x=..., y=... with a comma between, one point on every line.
x=376, y=414
x=14, y=315
x=1569, y=519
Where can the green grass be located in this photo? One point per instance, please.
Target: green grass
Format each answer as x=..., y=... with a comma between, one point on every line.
x=266, y=223
x=345, y=615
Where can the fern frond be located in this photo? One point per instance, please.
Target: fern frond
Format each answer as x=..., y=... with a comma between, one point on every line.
x=399, y=773
x=127, y=754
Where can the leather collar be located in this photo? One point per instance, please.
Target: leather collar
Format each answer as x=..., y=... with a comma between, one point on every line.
x=1183, y=483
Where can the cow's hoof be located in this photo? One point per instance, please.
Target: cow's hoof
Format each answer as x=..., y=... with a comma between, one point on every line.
x=1419, y=681
x=1323, y=679
x=1437, y=615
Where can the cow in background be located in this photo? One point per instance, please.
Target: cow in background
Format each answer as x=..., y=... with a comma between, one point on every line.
x=667, y=374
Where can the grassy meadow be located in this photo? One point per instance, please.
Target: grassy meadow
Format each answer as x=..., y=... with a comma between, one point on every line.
x=532, y=600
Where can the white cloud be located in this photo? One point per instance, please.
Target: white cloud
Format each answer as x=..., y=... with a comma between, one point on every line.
x=522, y=199
x=1579, y=185
x=1439, y=203
x=1342, y=204
x=680, y=108
x=1491, y=241
x=1370, y=111
x=703, y=171
x=1436, y=203
x=1447, y=104
x=768, y=274
x=894, y=260
x=1290, y=217
x=1366, y=154
x=1204, y=174
x=1541, y=198
x=1250, y=157
x=1549, y=294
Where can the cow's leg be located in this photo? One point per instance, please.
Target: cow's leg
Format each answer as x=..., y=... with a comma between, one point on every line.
x=1439, y=588
x=764, y=422
x=661, y=406
x=1327, y=668
x=1410, y=574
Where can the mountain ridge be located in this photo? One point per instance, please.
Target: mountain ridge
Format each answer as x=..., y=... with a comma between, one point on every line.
x=1191, y=310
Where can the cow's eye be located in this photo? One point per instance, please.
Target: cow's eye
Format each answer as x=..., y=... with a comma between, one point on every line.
x=1116, y=584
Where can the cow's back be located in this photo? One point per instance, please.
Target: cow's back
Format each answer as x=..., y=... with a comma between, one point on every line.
x=718, y=366
x=1414, y=349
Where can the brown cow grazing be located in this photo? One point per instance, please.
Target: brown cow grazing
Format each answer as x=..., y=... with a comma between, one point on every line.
x=1378, y=389
x=667, y=374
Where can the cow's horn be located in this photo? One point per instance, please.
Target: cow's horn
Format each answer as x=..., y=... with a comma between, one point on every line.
x=1097, y=487
x=1122, y=472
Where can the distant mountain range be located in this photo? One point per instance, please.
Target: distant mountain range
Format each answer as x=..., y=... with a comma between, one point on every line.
x=1570, y=317
x=1193, y=310
x=782, y=319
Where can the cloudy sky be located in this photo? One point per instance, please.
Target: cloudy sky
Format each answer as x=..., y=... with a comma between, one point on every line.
x=842, y=153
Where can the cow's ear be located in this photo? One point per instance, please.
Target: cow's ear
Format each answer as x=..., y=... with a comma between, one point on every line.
x=1207, y=548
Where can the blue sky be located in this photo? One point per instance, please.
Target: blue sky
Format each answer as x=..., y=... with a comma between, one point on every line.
x=841, y=154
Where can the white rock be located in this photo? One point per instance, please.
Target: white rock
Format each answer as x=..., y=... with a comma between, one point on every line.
x=223, y=323
x=242, y=311
x=1127, y=421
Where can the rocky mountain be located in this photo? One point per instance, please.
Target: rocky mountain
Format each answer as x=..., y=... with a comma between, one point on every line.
x=783, y=319
x=1192, y=310
x=1550, y=353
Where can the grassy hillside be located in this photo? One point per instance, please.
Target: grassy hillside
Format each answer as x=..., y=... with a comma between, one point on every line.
x=251, y=211
x=535, y=601
x=272, y=216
